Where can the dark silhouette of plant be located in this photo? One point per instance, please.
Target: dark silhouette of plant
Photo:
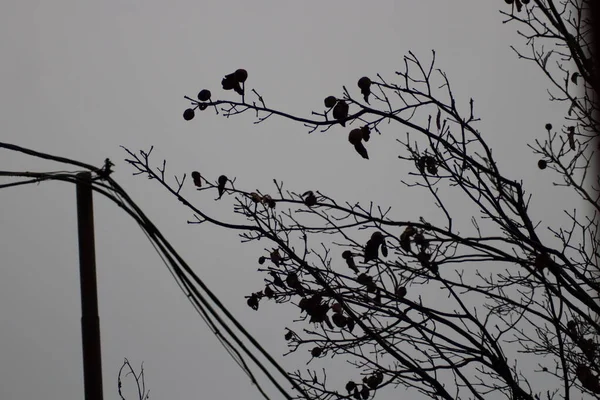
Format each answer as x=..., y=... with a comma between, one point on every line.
x=138, y=378
x=518, y=309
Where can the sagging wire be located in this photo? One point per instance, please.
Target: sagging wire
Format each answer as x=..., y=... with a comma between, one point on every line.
x=229, y=348
x=168, y=255
x=154, y=231
x=186, y=286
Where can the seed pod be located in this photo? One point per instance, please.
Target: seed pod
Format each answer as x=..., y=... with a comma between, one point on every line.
x=405, y=243
x=204, y=95
x=197, y=178
x=352, y=265
x=253, y=301
x=230, y=82
x=360, y=149
x=350, y=386
x=572, y=330
x=571, y=136
x=339, y=320
x=377, y=237
x=364, y=279
x=364, y=84
x=384, y=249
x=355, y=136
x=420, y=240
x=292, y=280
x=276, y=257
x=349, y=324
x=371, y=250
x=255, y=197
x=431, y=165
x=330, y=101
x=188, y=114
x=269, y=293
x=519, y=5
x=310, y=199
x=316, y=352
x=364, y=393
x=241, y=75
x=542, y=261
x=366, y=133
x=408, y=232
x=401, y=291
x=340, y=112
x=221, y=186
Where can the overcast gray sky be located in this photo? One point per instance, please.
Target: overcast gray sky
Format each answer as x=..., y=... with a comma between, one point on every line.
x=78, y=79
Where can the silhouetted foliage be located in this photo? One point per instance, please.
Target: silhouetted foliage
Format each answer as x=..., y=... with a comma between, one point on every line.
x=511, y=298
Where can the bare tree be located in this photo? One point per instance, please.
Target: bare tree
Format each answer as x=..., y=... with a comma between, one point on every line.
x=518, y=309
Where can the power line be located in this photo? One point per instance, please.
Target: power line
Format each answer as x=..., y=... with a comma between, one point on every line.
x=206, y=303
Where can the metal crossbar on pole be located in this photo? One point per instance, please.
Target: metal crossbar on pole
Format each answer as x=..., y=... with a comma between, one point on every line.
x=90, y=322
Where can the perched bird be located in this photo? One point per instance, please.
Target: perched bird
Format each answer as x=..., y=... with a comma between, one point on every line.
x=221, y=187
x=340, y=112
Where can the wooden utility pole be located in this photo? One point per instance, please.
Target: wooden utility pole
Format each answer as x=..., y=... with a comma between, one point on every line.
x=90, y=322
